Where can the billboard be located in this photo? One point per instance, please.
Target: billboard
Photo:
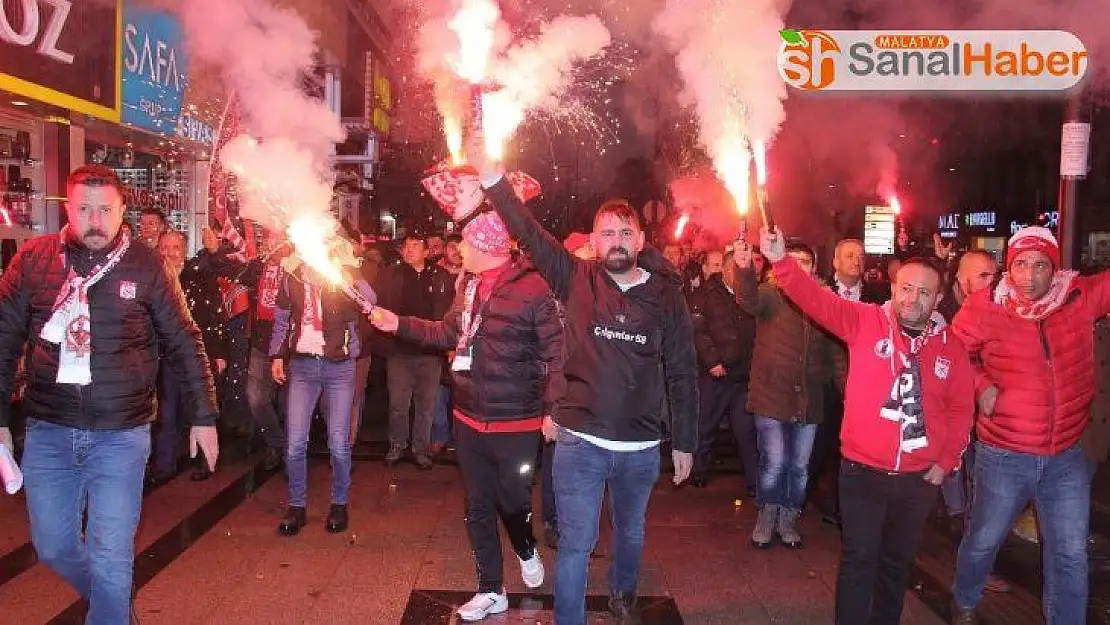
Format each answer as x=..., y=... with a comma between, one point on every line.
x=879, y=229
x=155, y=69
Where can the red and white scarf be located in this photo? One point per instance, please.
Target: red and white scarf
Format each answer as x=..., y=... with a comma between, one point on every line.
x=1006, y=295
x=70, y=323
x=268, y=287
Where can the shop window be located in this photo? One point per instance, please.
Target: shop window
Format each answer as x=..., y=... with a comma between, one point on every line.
x=152, y=181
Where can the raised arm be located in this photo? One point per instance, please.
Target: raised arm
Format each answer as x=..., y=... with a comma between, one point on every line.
x=553, y=261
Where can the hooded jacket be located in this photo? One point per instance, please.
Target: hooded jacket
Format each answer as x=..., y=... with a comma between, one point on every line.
x=628, y=351
x=1044, y=371
x=876, y=345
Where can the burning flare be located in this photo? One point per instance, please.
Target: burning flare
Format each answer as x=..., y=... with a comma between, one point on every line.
x=895, y=205
x=453, y=132
x=680, y=227
x=759, y=149
x=733, y=165
x=310, y=236
x=474, y=25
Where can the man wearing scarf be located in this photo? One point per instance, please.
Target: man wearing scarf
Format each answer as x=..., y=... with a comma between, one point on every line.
x=314, y=344
x=507, y=376
x=1034, y=337
x=95, y=311
x=908, y=410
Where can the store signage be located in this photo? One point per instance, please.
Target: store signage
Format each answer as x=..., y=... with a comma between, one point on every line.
x=155, y=68
x=955, y=221
x=138, y=198
x=879, y=229
x=62, y=52
x=980, y=220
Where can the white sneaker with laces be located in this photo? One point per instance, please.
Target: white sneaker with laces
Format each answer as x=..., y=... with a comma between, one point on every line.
x=531, y=570
x=482, y=605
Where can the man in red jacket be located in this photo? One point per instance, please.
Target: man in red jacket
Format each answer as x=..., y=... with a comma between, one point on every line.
x=1034, y=336
x=908, y=410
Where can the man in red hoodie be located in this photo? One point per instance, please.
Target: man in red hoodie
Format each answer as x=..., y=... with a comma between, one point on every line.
x=908, y=411
x=1034, y=334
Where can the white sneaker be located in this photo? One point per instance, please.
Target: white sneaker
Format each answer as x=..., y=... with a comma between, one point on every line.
x=531, y=570
x=482, y=605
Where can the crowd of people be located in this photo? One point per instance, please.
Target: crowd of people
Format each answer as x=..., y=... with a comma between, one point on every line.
x=589, y=361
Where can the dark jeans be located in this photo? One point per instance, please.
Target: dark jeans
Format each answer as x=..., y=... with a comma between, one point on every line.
x=441, y=422
x=825, y=458
x=582, y=472
x=547, y=485
x=720, y=397
x=235, y=410
x=882, y=517
x=261, y=393
x=1005, y=482
x=497, y=471
x=67, y=470
x=413, y=381
x=168, y=437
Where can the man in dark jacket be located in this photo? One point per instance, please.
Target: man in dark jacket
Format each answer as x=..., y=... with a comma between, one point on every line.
x=790, y=367
x=95, y=312
x=632, y=342
x=202, y=296
x=507, y=374
x=414, y=288
x=724, y=335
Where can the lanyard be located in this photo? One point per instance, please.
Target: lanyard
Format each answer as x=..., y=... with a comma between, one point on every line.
x=470, y=321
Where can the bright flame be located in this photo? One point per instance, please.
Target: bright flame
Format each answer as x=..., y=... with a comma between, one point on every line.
x=760, y=152
x=452, y=131
x=501, y=115
x=895, y=204
x=474, y=25
x=680, y=227
x=733, y=165
x=310, y=235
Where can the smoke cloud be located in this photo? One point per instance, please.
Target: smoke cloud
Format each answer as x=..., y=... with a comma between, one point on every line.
x=264, y=52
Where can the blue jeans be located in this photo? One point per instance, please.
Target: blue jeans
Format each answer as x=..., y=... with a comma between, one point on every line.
x=582, y=470
x=784, y=449
x=441, y=422
x=67, y=469
x=309, y=378
x=1060, y=486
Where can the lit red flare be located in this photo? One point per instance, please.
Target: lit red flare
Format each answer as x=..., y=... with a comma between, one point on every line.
x=895, y=205
x=680, y=227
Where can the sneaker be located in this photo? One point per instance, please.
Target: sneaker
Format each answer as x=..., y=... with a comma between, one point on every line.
x=531, y=570
x=394, y=456
x=787, y=528
x=482, y=605
x=764, y=531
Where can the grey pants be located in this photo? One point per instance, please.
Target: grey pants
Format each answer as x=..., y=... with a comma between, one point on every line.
x=260, y=396
x=413, y=381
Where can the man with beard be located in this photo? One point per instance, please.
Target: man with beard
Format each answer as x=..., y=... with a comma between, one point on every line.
x=505, y=329
x=95, y=311
x=633, y=345
x=1033, y=334
x=908, y=412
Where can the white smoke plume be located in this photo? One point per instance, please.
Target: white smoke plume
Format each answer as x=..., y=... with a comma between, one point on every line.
x=726, y=51
x=263, y=52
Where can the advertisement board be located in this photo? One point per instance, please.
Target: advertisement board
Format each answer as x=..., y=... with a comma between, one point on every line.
x=155, y=69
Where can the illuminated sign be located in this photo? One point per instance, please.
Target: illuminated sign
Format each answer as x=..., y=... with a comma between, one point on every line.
x=155, y=69
x=879, y=229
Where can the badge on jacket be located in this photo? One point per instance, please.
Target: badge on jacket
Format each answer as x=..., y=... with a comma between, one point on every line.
x=884, y=348
x=127, y=289
x=940, y=368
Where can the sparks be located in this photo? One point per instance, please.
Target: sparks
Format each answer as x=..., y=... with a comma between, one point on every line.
x=474, y=25
x=452, y=131
x=759, y=150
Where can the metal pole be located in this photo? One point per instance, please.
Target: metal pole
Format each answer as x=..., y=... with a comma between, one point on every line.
x=1065, y=203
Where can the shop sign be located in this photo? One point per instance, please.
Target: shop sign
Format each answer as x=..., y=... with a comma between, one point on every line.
x=155, y=68
x=138, y=198
x=879, y=229
x=62, y=52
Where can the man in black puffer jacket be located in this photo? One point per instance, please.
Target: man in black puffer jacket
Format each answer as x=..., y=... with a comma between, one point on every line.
x=95, y=311
x=725, y=336
x=507, y=375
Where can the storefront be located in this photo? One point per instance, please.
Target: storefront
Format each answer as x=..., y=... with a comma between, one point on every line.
x=976, y=230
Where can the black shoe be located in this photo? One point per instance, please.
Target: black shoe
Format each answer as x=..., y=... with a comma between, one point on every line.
x=292, y=522
x=963, y=616
x=699, y=482
x=551, y=535
x=272, y=460
x=423, y=462
x=337, y=519
x=157, y=477
x=200, y=474
x=623, y=606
